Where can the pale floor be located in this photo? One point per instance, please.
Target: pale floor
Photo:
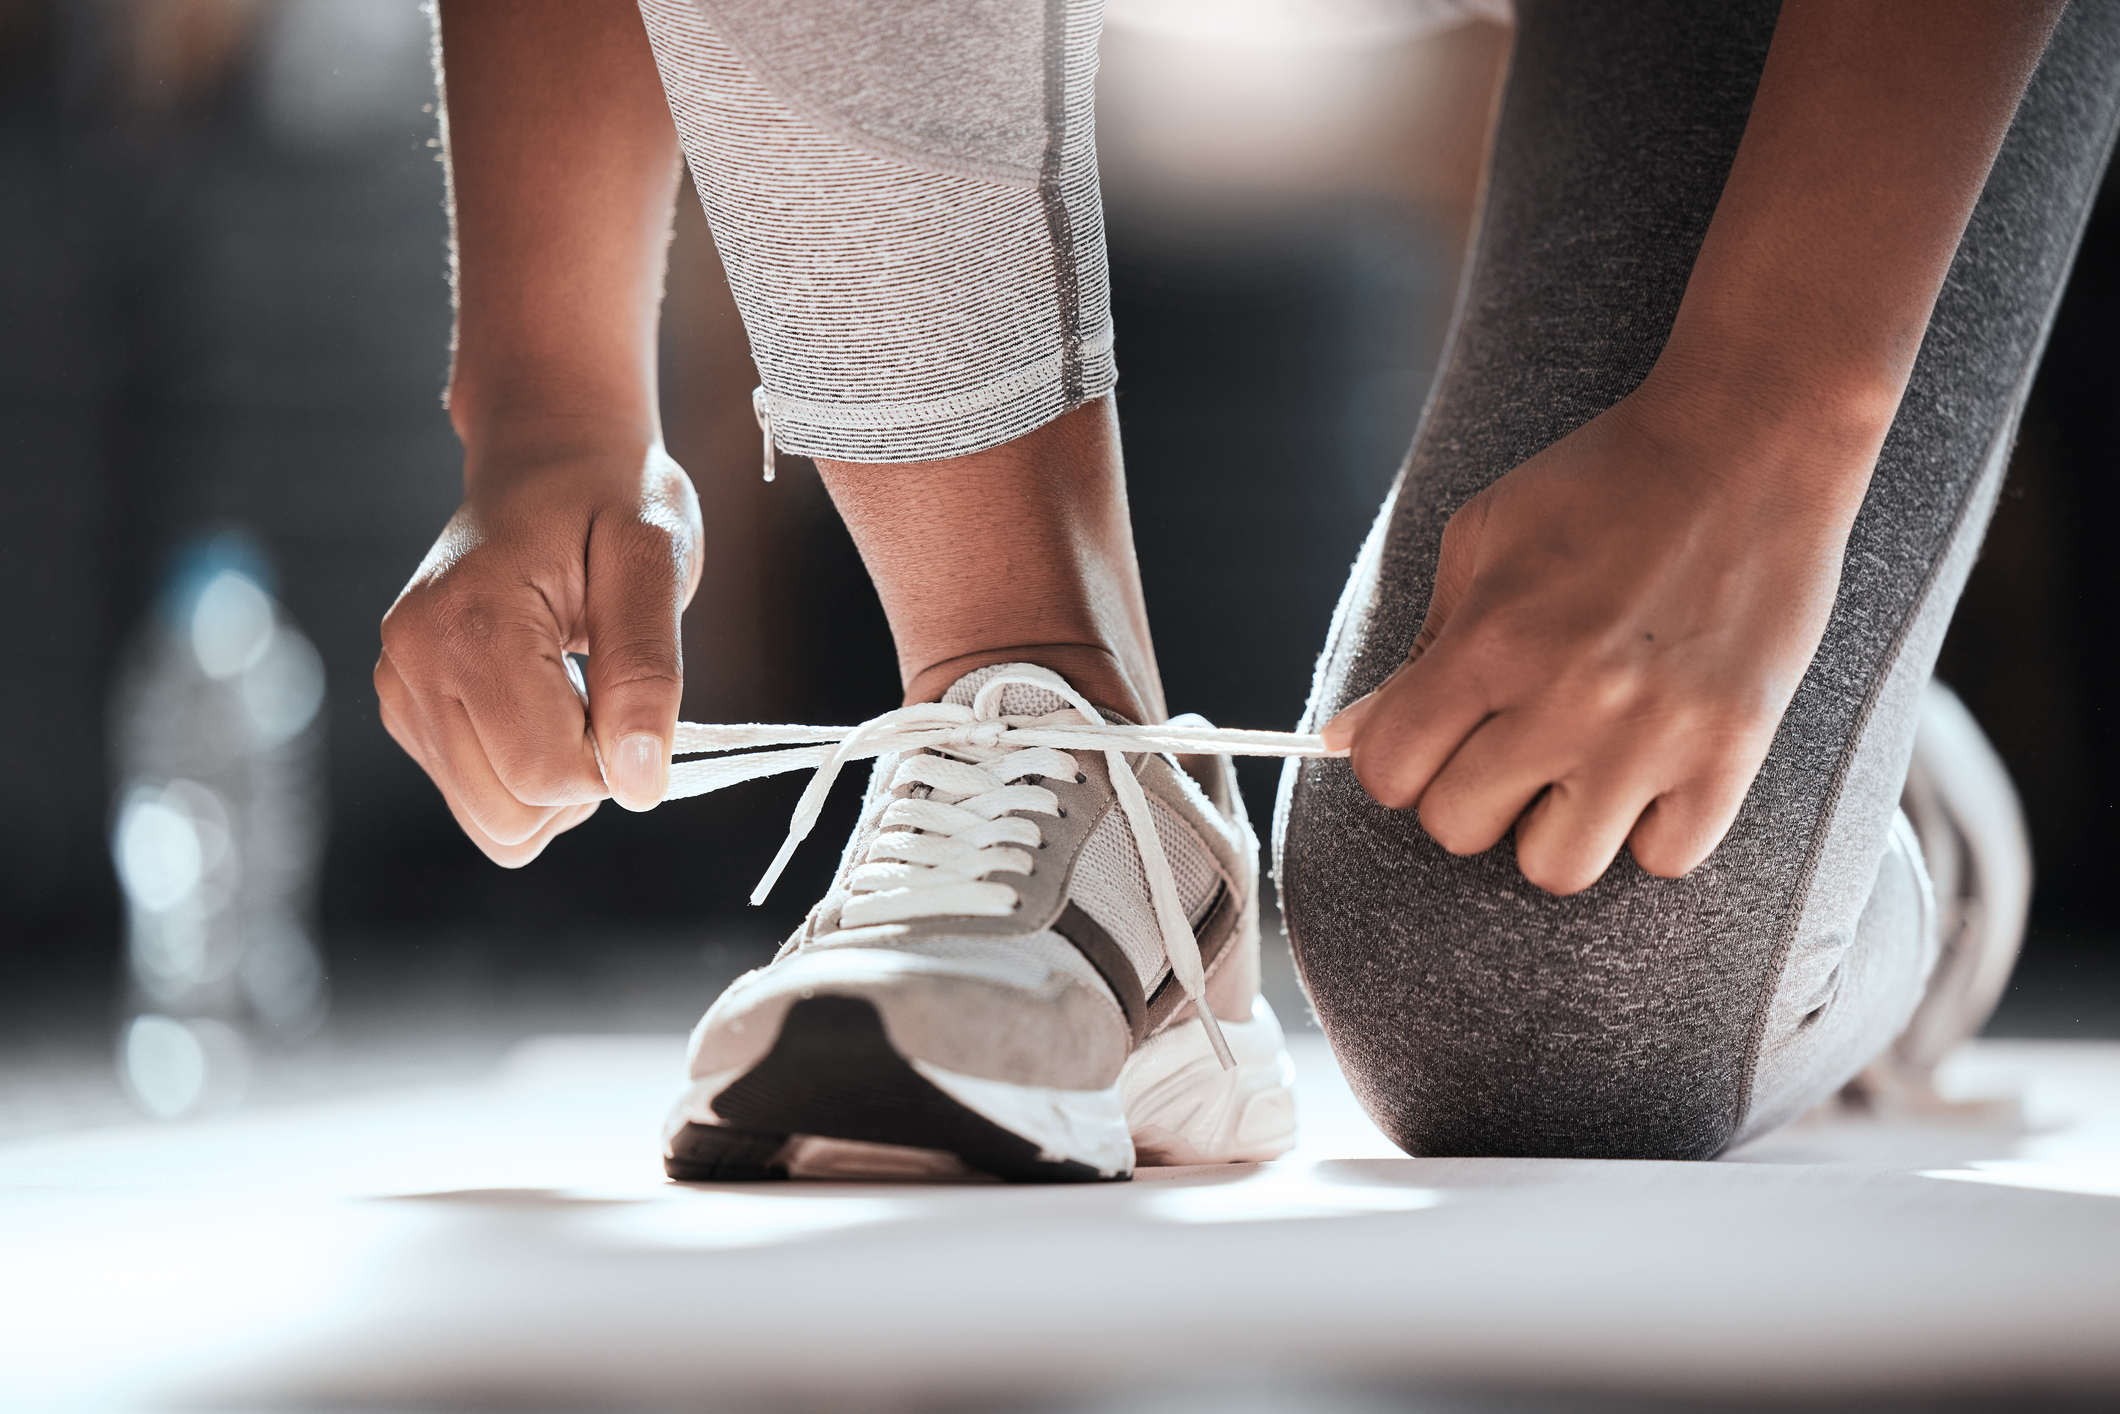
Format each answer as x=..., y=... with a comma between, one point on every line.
x=508, y=1241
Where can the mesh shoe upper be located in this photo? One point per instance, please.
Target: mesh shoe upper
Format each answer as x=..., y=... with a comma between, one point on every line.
x=1042, y=962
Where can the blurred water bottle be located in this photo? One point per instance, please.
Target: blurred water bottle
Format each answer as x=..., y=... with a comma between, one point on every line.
x=216, y=738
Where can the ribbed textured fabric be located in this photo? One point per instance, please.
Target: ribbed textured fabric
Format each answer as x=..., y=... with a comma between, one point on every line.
x=905, y=198
x=1666, y=1018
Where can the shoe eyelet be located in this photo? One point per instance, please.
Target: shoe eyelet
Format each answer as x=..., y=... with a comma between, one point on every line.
x=1063, y=815
x=1080, y=779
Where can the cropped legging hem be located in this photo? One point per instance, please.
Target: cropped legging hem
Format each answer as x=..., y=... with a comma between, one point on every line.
x=905, y=200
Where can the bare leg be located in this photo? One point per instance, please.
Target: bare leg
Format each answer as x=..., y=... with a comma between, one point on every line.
x=1019, y=554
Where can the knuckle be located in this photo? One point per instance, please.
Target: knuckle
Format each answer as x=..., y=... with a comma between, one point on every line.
x=1671, y=849
x=635, y=681
x=1676, y=834
x=649, y=547
x=656, y=539
x=508, y=821
x=533, y=780
x=1658, y=865
x=1385, y=786
x=512, y=855
x=653, y=661
x=1466, y=520
x=1454, y=831
x=447, y=629
x=506, y=840
x=398, y=724
x=1558, y=871
x=403, y=626
x=517, y=853
x=1561, y=883
x=1752, y=721
x=538, y=776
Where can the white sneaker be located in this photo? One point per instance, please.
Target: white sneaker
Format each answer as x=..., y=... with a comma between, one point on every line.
x=1015, y=974
x=1978, y=854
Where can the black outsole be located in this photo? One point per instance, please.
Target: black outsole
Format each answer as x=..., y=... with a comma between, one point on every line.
x=833, y=1072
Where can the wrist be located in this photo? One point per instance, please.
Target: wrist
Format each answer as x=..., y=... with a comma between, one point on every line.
x=1770, y=358
x=527, y=402
x=1766, y=426
x=591, y=447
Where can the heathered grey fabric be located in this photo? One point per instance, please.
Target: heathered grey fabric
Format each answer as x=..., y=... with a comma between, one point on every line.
x=1475, y=1014
x=954, y=87
x=905, y=199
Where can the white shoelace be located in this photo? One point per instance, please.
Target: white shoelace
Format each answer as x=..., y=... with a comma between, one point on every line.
x=934, y=852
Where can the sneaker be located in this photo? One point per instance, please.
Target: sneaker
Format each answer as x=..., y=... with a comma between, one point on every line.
x=1964, y=810
x=1038, y=960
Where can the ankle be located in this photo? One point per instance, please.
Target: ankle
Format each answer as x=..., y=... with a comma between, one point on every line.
x=1097, y=672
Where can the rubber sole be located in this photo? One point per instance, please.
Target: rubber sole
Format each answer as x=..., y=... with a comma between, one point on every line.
x=1184, y=1108
x=833, y=1098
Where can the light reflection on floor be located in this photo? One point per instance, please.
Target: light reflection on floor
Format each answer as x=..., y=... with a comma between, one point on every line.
x=511, y=1242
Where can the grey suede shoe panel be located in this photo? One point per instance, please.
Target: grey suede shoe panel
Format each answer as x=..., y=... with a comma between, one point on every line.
x=1066, y=1035
x=1473, y=1013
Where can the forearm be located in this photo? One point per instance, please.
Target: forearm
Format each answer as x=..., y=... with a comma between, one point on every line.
x=1868, y=145
x=563, y=168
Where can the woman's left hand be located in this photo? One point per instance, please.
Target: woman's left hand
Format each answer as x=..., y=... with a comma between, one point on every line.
x=1617, y=627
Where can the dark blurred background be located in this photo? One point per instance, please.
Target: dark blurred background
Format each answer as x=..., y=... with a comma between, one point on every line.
x=222, y=286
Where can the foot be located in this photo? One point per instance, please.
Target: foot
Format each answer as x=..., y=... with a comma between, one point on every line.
x=1960, y=801
x=1005, y=980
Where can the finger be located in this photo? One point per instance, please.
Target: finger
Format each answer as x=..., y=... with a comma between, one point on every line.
x=1682, y=826
x=1339, y=733
x=516, y=855
x=493, y=658
x=1413, y=725
x=1573, y=831
x=439, y=736
x=635, y=595
x=508, y=712
x=1456, y=560
x=1395, y=773
x=1492, y=779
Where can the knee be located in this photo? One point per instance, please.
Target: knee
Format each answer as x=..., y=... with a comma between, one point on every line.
x=1582, y=1098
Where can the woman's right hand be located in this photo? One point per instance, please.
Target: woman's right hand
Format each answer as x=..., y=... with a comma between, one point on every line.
x=563, y=547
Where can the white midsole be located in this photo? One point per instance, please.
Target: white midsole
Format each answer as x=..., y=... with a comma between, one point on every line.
x=1173, y=1101
x=1184, y=1108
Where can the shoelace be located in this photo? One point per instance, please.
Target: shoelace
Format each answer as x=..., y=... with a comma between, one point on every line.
x=964, y=830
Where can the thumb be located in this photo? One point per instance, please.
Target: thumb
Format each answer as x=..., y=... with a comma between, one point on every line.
x=635, y=674
x=1455, y=562
x=1456, y=559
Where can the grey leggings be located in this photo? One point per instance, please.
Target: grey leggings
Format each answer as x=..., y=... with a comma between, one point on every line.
x=1649, y=1017
x=905, y=198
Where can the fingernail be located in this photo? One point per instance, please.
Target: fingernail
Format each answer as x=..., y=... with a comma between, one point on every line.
x=639, y=771
x=1339, y=732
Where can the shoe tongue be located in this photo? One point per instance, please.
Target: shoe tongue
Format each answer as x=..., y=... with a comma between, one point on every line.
x=1017, y=699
